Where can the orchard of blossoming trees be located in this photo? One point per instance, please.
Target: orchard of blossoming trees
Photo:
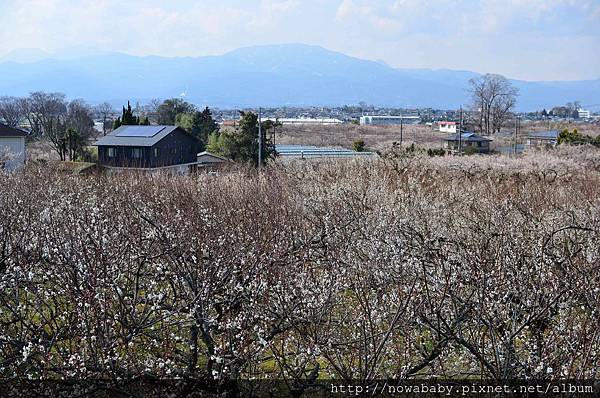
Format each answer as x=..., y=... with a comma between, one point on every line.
x=405, y=267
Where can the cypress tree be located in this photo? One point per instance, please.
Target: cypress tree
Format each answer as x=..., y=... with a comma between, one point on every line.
x=128, y=118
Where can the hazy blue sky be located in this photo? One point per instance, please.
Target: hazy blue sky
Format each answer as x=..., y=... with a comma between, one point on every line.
x=527, y=39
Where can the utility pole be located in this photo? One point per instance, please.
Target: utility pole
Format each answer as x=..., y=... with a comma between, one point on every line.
x=415, y=134
x=460, y=130
x=516, y=134
x=260, y=145
x=401, y=127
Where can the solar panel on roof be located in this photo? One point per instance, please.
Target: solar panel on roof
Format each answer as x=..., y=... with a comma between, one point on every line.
x=140, y=131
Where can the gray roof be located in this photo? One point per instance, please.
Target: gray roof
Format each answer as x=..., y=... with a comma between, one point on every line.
x=547, y=135
x=206, y=153
x=136, y=136
x=308, y=151
x=468, y=137
x=6, y=131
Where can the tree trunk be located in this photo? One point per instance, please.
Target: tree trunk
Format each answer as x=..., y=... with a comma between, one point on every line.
x=193, y=359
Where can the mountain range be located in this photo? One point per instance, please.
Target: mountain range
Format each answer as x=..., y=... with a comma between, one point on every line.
x=275, y=75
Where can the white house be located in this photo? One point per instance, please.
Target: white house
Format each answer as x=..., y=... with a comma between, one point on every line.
x=447, y=127
x=12, y=148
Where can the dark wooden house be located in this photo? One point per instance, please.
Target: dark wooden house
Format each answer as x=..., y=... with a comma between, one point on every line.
x=466, y=139
x=147, y=147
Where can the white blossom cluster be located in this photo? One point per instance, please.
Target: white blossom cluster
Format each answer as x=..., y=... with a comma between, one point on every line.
x=403, y=267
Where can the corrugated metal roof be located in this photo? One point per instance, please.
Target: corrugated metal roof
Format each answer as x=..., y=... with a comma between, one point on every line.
x=307, y=151
x=120, y=137
x=6, y=131
x=549, y=135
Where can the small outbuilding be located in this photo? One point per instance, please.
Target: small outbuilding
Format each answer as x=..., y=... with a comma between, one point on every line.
x=460, y=142
x=542, y=139
x=207, y=159
x=12, y=148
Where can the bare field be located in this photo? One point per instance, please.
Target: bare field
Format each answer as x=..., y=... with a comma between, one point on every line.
x=375, y=137
x=382, y=137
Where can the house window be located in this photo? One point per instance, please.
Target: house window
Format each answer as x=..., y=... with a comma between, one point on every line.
x=111, y=152
x=136, y=153
x=156, y=152
x=173, y=151
x=479, y=144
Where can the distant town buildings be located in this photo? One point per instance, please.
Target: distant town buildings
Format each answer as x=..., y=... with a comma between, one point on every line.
x=229, y=123
x=303, y=121
x=388, y=120
x=289, y=121
x=447, y=127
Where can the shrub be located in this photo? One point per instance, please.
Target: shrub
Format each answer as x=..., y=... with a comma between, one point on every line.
x=358, y=145
x=436, y=152
x=470, y=150
x=575, y=138
x=88, y=154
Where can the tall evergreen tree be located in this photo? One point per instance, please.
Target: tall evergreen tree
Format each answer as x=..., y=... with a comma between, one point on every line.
x=128, y=118
x=204, y=125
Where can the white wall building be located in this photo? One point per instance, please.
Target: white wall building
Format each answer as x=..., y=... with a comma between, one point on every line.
x=12, y=148
x=388, y=120
x=447, y=127
x=583, y=114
